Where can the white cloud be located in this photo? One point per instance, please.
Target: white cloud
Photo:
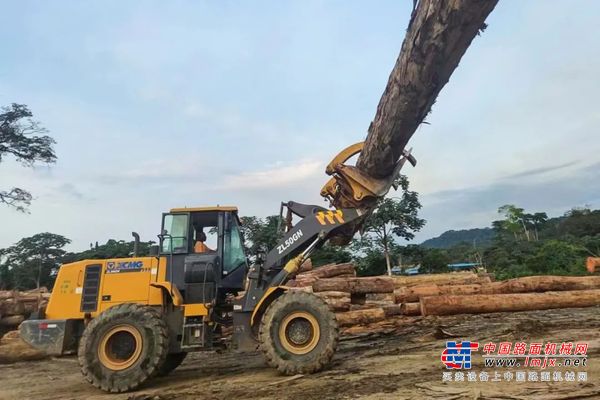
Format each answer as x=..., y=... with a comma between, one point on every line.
x=277, y=175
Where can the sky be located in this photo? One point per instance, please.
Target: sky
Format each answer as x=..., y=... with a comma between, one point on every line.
x=156, y=105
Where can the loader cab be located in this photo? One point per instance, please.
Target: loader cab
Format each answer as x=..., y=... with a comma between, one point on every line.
x=204, y=252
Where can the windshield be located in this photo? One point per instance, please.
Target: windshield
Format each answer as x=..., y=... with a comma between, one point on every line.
x=233, y=254
x=177, y=227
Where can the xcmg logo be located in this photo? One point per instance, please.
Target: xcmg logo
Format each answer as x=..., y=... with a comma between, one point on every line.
x=113, y=267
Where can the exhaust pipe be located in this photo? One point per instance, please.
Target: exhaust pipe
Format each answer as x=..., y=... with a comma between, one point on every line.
x=136, y=243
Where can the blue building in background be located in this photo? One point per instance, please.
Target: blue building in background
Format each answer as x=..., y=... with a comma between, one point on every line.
x=464, y=266
x=417, y=269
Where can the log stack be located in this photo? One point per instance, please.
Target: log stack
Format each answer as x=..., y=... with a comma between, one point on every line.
x=370, y=304
x=16, y=306
x=357, y=302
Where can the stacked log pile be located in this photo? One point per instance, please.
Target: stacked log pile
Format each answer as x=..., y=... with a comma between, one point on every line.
x=360, y=304
x=16, y=306
x=377, y=303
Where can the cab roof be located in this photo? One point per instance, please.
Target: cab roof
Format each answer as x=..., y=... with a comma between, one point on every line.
x=201, y=209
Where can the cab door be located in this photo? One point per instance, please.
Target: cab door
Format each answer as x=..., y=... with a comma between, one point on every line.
x=235, y=262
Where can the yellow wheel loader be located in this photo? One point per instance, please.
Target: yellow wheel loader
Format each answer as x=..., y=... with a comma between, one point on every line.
x=131, y=319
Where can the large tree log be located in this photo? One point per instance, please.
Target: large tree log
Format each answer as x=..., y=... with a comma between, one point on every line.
x=306, y=266
x=439, y=33
x=334, y=295
x=11, y=321
x=360, y=317
x=414, y=293
x=389, y=297
x=302, y=281
x=375, y=284
x=338, y=305
x=329, y=271
x=392, y=309
x=527, y=284
x=542, y=284
x=485, y=303
x=410, y=308
x=452, y=278
x=14, y=349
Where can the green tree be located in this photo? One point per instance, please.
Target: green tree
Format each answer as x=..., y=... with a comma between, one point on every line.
x=260, y=235
x=514, y=220
x=537, y=221
x=558, y=258
x=31, y=261
x=436, y=261
x=393, y=218
x=580, y=222
x=25, y=140
x=330, y=254
x=371, y=260
x=111, y=249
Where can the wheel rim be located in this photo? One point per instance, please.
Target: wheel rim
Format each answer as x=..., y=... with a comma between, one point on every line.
x=120, y=347
x=299, y=332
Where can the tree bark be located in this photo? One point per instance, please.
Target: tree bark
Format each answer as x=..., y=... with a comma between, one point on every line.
x=360, y=316
x=375, y=284
x=528, y=284
x=440, y=279
x=484, y=303
x=338, y=305
x=388, y=297
x=306, y=266
x=392, y=309
x=410, y=308
x=386, y=252
x=439, y=33
x=334, y=295
x=11, y=321
x=542, y=284
x=330, y=270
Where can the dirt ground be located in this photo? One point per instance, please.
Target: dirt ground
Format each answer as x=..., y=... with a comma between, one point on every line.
x=404, y=364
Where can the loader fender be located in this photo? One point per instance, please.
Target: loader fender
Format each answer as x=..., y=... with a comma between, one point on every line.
x=270, y=294
x=171, y=290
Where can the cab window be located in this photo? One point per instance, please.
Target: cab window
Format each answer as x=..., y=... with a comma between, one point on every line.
x=176, y=227
x=233, y=247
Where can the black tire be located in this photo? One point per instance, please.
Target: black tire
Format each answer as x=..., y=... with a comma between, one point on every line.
x=124, y=329
x=172, y=361
x=298, y=333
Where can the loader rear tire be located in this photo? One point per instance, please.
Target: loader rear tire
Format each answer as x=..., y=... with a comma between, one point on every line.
x=123, y=347
x=298, y=333
x=172, y=361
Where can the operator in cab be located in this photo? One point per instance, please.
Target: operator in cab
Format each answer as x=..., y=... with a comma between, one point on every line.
x=199, y=246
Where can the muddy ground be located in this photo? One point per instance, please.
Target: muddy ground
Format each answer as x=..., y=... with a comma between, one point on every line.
x=403, y=364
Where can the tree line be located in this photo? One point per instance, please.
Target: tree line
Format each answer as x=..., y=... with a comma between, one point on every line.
x=34, y=261
x=524, y=243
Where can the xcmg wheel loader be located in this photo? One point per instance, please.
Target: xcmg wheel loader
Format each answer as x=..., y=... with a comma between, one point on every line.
x=131, y=319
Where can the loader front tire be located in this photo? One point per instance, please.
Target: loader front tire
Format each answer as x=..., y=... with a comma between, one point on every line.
x=123, y=347
x=298, y=333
